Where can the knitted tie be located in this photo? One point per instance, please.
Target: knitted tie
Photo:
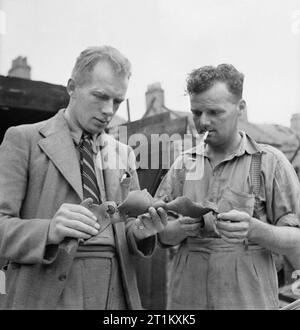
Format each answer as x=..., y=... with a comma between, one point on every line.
x=89, y=181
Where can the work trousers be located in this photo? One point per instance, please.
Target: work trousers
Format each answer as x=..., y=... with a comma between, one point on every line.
x=93, y=283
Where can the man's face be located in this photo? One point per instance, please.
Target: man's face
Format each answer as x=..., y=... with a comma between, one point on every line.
x=95, y=102
x=216, y=110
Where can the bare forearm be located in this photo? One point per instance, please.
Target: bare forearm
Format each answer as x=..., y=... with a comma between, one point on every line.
x=282, y=239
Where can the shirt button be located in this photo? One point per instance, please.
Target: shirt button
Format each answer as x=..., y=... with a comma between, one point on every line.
x=62, y=277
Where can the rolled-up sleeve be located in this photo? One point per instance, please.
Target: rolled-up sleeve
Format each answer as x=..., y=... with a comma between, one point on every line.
x=172, y=184
x=283, y=193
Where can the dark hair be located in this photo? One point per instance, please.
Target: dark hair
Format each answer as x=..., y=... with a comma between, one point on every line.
x=200, y=80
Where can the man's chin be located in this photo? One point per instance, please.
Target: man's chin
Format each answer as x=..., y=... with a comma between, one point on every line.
x=98, y=128
x=213, y=141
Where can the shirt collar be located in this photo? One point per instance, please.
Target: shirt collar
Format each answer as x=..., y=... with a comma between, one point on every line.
x=76, y=133
x=247, y=145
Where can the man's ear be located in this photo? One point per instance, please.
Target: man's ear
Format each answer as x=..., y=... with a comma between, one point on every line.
x=71, y=87
x=242, y=108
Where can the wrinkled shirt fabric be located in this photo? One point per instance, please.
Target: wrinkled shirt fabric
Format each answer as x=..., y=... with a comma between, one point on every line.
x=207, y=272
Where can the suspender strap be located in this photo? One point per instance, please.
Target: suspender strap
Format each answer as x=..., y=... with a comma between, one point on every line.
x=255, y=169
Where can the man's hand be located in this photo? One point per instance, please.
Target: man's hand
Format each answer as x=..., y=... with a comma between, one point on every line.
x=151, y=223
x=178, y=229
x=72, y=220
x=189, y=226
x=233, y=226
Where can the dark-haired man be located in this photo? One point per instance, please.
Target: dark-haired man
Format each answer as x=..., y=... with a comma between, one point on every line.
x=225, y=261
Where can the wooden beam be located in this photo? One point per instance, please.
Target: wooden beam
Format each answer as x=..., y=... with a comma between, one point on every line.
x=34, y=95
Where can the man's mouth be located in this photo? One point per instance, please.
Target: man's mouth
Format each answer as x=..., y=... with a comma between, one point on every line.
x=103, y=122
x=204, y=131
x=205, y=135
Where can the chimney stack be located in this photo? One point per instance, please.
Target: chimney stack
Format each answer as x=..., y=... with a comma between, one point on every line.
x=20, y=68
x=155, y=98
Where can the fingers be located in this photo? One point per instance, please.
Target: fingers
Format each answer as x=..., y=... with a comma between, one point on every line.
x=79, y=209
x=70, y=232
x=151, y=223
x=232, y=226
x=187, y=220
x=191, y=226
x=140, y=230
x=159, y=203
x=159, y=218
x=234, y=215
x=78, y=221
x=70, y=215
x=163, y=216
x=87, y=202
x=82, y=227
x=139, y=224
x=74, y=220
x=236, y=229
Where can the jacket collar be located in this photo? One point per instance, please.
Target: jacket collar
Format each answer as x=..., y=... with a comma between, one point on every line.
x=59, y=147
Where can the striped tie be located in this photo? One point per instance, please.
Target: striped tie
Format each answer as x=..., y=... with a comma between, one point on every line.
x=89, y=181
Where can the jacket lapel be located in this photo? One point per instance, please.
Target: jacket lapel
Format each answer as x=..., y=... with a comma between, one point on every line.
x=113, y=193
x=58, y=145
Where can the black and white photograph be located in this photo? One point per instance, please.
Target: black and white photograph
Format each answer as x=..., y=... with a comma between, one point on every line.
x=149, y=157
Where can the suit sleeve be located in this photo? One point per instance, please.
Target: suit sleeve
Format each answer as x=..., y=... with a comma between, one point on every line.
x=146, y=247
x=21, y=240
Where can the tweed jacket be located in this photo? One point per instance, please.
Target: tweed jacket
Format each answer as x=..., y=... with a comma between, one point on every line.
x=39, y=171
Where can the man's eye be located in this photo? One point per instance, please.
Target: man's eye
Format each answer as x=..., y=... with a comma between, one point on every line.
x=117, y=102
x=101, y=97
x=216, y=112
x=197, y=113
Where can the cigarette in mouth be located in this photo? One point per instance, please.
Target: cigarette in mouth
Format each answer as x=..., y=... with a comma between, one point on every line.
x=205, y=135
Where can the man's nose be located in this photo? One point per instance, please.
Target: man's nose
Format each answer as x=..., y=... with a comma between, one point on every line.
x=108, y=108
x=204, y=119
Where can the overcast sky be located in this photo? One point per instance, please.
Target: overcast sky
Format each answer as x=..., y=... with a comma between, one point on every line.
x=165, y=39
